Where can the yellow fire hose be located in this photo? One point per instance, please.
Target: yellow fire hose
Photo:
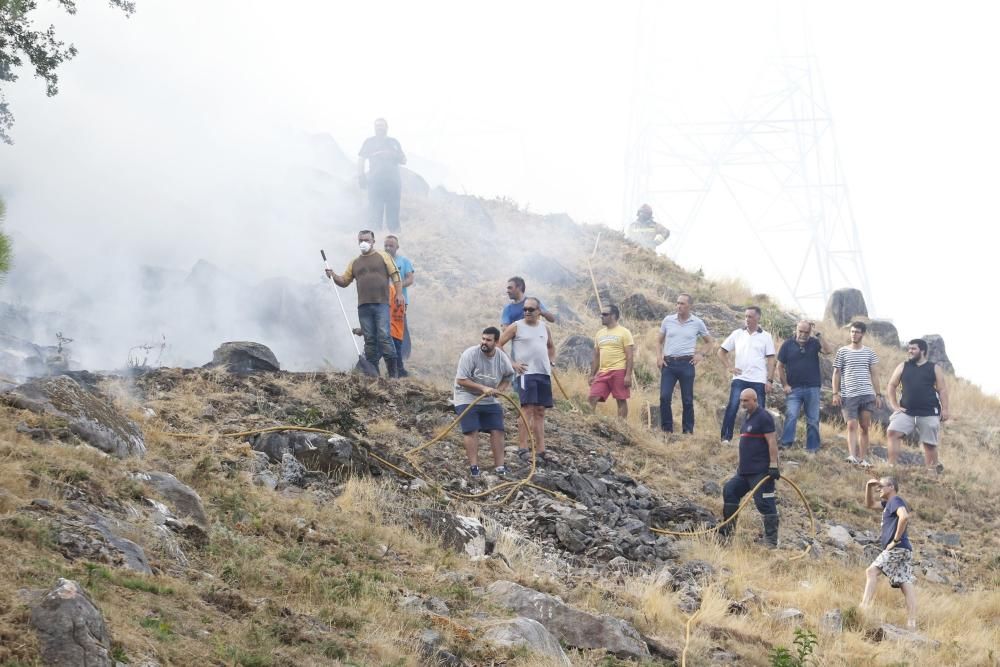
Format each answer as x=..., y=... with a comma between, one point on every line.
x=526, y=482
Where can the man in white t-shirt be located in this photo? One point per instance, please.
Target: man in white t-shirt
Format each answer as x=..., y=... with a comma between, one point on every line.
x=752, y=367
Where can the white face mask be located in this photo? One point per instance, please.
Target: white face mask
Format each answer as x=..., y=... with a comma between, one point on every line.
x=365, y=246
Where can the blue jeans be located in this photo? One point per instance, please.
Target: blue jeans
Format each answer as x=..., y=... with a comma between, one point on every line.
x=374, y=318
x=729, y=420
x=807, y=398
x=672, y=373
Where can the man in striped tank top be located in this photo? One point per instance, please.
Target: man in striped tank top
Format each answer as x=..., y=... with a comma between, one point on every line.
x=923, y=407
x=855, y=382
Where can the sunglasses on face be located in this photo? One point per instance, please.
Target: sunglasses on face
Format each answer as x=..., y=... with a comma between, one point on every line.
x=530, y=310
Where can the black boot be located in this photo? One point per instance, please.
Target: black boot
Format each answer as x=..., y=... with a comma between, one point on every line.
x=728, y=510
x=770, y=531
x=392, y=366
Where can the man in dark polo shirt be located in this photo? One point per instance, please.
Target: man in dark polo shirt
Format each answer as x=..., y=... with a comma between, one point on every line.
x=758, y=460
x=373, y=270
x=384, y=155
x=799, y=374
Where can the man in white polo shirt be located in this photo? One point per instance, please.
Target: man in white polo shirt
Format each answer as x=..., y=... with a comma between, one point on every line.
x=679, y=355
x=752, y=368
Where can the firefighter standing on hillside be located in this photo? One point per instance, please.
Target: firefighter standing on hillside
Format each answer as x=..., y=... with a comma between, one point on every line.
x=645, y=231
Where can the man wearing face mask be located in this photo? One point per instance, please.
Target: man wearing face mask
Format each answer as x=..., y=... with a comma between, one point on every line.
x=373, y=271
x=384, y=155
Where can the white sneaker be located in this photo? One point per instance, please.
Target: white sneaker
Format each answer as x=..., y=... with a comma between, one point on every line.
x=727, y=443
x=864, y=463
x=851, y=459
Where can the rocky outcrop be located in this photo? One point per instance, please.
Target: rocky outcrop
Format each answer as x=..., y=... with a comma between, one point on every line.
x=459, y=533
x=87, y=535
x=530, y=634
x=937, y=353
x=845, y=305
x=884, y=331
x=70, y=628
x=571, y=626
x=244, y=357
x=638, y=307
x=576, y=352
x=86, y=412
x=181, y=498
x=891, y=633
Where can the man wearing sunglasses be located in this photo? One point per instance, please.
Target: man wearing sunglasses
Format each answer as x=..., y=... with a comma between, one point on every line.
x=611, y=369
x=534, y=354
x=799, y=374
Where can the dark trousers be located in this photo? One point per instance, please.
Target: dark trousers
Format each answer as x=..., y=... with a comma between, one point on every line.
x=729, y=420
x=740, y=485
x=383, y=198
x=672, y=373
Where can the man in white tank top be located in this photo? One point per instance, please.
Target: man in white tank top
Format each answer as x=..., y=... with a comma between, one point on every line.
x=535, y=353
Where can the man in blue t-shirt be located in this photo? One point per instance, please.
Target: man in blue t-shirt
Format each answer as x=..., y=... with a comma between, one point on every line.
x=896, y=559
x=800, y=377
x=758, y=452
x=513, y=312
x=406, y=273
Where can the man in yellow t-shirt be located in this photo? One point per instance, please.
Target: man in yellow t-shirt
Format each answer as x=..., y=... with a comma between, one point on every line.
x=611, y=369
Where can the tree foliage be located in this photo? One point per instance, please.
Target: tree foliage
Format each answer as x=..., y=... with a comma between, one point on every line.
x=21, y=42
x=5, y=250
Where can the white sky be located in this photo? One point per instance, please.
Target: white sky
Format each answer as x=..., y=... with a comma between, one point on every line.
x=531, y=101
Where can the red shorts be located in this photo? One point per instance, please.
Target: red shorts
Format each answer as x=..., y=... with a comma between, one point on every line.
x=610, y=383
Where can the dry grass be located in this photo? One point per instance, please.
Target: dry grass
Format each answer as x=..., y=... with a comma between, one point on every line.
x=362, y=553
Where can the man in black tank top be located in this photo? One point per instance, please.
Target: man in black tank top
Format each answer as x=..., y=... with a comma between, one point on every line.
x=923, y=407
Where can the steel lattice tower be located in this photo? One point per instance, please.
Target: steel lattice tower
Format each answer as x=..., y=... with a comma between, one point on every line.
x=771, y=169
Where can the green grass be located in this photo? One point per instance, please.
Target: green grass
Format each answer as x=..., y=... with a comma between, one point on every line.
x=161, y=628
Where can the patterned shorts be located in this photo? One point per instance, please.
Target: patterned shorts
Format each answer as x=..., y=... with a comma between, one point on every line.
x=896, y=564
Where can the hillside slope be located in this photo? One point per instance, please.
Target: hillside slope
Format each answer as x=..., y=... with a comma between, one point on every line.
x=334, y=566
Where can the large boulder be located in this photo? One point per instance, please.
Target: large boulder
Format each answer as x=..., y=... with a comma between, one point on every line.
x=885, y=332
x=845, y=305
x=576, y=352
x=84, y=534
x=936, y=352
x=571, y=626
x=244, y=357
x=413, y=184
x=87, y=413
x=530, y=634
x=638, y=307
x=21, y=358
x=296, y=443
x=459, y=533
x=182, y=499
x=70, y=628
